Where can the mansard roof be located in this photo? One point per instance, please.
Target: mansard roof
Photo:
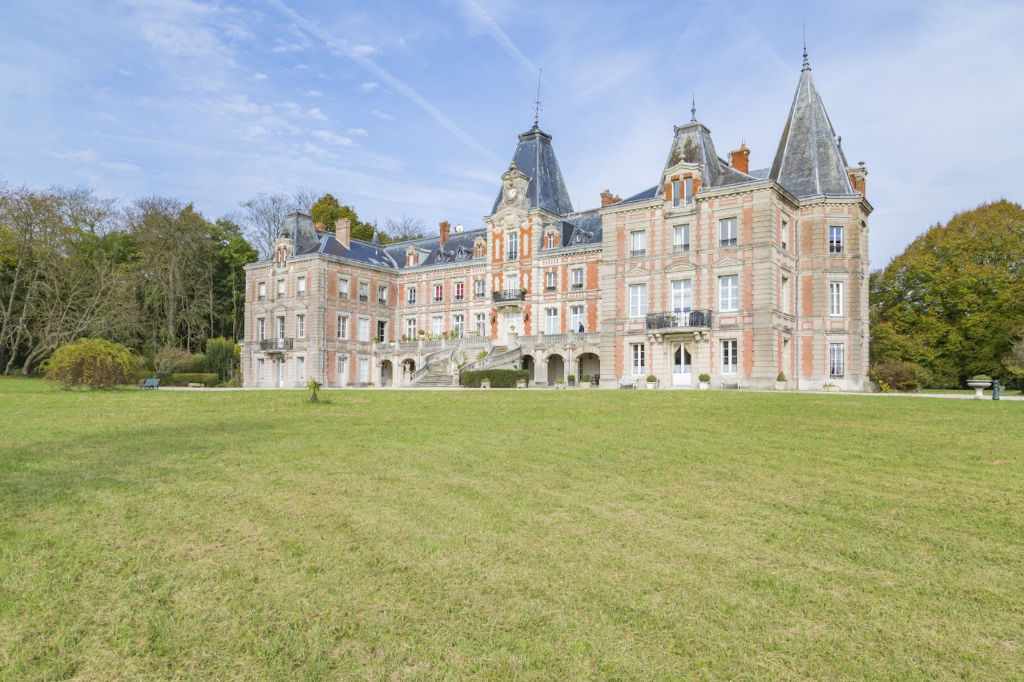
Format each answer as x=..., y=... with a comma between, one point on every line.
x=809, y=161
x=457, y=249
x=575, y=230
x=693, y=144
x=536, y=158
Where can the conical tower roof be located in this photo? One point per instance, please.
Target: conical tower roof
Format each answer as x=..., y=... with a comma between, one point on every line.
x=536, y=158
x=810, y=161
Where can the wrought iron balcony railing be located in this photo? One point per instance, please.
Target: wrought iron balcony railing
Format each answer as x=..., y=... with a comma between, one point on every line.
x=509, y=295
x=681, y=320
x=285, y=343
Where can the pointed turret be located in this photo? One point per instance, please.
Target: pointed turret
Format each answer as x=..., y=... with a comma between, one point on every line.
x=810, y=161
x=535, y=157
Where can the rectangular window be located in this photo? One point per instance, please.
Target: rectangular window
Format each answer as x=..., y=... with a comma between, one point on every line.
x=729, y=294
x=280, y=288
x=261, y=291
x=836, y=360
x=280, y=327
x=460, y=291
x=300, y=368
x=784, y=237
x=261, y=329
x=364, y=370
x=675, y=193
x=577, y=278
x=438, y=293
x=513, y=245
x=481, y=324
x=382, y=295
x=549, y=280
x=459, y=324
x=382, y=330
x=259, y=369
x=576, y=318
x=364, y=291
x=342, y=287
x=363, y=329
x=512, y=281
x=300, y=326
x=480, y=288
x=728, y=232
x=300, y=286
x=342, y=369
x=835, y=239
x=410, y=328
x=637, y=300
x=681, y=239
x=551, y=321
x=436, y=325
x=342, y=327
x=638, y=364
x=688, y=189
x=835, y=299
x=682, y=296
x=637, y=244
x=729, y=365
x=410, y=294
x=784, y=295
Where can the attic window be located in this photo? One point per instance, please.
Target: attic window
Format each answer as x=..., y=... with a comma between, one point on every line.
x=550, y=240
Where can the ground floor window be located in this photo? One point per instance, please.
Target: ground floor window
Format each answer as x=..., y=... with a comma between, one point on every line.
x=364, y=370
x=481, y=324
x=836, y=360
x=259, y=369
x=639, y=364
x=436, y=325
x=342, y=369
x=300, y=368
x=729, y=364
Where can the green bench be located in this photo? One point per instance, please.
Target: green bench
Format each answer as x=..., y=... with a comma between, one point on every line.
x=149, y=383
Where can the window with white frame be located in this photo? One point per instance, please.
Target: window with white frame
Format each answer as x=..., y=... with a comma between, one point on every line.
x=550, y=279
x=550, y=240
x=729, y=293
x=729, y=362
x=342, y=287
x=459, y=324
x=638, y=243
x=410, y=293
x=688, y=190
x=382, y=295
x=638, y=366
x=682, y=295
x=410, y=328
x=363, y=329
x=261, y=291
x=835, y=299
x=836, y=360
x=784, y=236
x=300, y=368
x=280, y=327
x=300, y=286
x=481, y=324
x=576, y=316
x=577, y=278
x=364, y=370
x=460, y=291
x=480, y=288
x=512, y=281
x=261, y=329
x=681, y=239
x=280, y=288
x=342, y=329
x=342, y=361
x=727, y=229
x=835, y=239
x=382, y=331
x=551, y=321
x=438, y=293
x=364, y=291
x=259, y=369
x=637, y=300
x=513, y=246
x=675, y=192
x=436, y=325
x=300, y=326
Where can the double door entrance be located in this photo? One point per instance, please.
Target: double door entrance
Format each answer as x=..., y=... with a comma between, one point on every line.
x=681, y=364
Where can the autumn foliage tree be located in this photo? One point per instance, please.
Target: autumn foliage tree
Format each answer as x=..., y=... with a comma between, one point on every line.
x=953, y=301
x=96, y=363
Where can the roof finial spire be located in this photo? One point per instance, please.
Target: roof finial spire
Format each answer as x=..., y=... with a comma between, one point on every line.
x=693, y=106
x=536, y=104
x=807, y=64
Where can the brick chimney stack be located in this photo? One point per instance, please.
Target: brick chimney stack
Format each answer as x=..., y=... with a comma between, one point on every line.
x=319, y=227
x=858, y=178
x=607, y=198
x=343, y=232
x=443, y=231
x=741, y=159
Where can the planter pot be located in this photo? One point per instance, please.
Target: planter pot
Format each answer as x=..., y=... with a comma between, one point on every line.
x=781, y=385
x=703, y=385
x=979, y=386
x=520, y=384
x=559, y=387
x=485, y=384
x=831, y=389
x=584, y=384
x=651, y=385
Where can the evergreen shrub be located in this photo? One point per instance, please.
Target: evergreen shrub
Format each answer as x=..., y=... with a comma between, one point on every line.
x=96, y=363
x=186, y=378
x=500, y=378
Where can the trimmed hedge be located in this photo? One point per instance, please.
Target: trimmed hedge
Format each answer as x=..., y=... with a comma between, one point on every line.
x=184, y=379
x=500, y=378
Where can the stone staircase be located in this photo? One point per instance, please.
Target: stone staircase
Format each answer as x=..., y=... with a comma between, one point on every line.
x=436, y=376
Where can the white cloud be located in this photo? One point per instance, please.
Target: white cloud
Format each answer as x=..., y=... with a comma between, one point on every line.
x=333, y=138
x=259, y=76
x=357, y=132
x=383, y=115
x=369, y=86
x=362, y=50
x=314, y=93
x=317, y=114
x=479, y=16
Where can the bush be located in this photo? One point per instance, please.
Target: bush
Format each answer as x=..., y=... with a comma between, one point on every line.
x=222, y=357
x=704, y=376
x=500, y=378
x=586, y=378
x=186, y=378
x=96, y=363
x=905, y=377
x=981, y=377
x=781, y=377
x=175, y=361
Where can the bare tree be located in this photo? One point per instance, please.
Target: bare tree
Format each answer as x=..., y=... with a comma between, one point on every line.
x=404, y=228
x=303, y=199
x=263, y=217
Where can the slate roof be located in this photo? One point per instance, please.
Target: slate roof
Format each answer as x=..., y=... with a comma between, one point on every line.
x=457, y=249
x=535, y=157
x=575, y=230
x=693, y=144
x=809, y=161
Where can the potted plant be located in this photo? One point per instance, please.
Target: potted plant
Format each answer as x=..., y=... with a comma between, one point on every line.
x=559, y=384
x=585, y=381
x=521, y=383
x=704, y=381
x=485, y=382
x=572, y=379
x=979, y=382
x=652, y=382
x=780, y=382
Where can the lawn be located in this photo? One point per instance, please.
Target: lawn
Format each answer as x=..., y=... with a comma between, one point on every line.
x=508, y=534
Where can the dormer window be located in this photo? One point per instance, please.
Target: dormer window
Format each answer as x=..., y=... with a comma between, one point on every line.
x=551, y=240
x=412, y=257
x=479, y=250
x=675, y=192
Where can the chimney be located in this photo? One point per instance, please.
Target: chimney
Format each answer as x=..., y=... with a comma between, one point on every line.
x=319, y=227
x=858, y=178
x=607, y=198
x=343, y=232
x=443, y=231
x=741, y=159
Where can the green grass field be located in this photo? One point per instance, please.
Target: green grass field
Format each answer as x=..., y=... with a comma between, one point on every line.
x=508, y=534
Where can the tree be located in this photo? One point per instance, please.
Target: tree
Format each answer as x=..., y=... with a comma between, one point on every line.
x=328, y=210
x=952, y=300
x=263, y=216
x=402, y=229
x=96, y=363
x=222, y=357
x=231, y=254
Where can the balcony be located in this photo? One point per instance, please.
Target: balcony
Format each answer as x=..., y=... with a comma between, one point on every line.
x=680, y=248
x=277, y=345
x=682, y=320
x=550, y=287
x=382, y=301
x=638, y=253
x=731, y=241
x=509, y=295
x=363, y=298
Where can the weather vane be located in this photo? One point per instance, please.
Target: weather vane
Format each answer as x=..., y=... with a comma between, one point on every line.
x=536, y=103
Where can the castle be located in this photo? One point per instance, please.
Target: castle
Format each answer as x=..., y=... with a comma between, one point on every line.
x=717, y=269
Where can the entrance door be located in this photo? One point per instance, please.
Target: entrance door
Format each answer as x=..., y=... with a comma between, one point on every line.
x=513, y=323
x=681, y=365
x=280, y=373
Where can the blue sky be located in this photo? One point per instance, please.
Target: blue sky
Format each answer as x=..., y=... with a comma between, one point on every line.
x=412, y=109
